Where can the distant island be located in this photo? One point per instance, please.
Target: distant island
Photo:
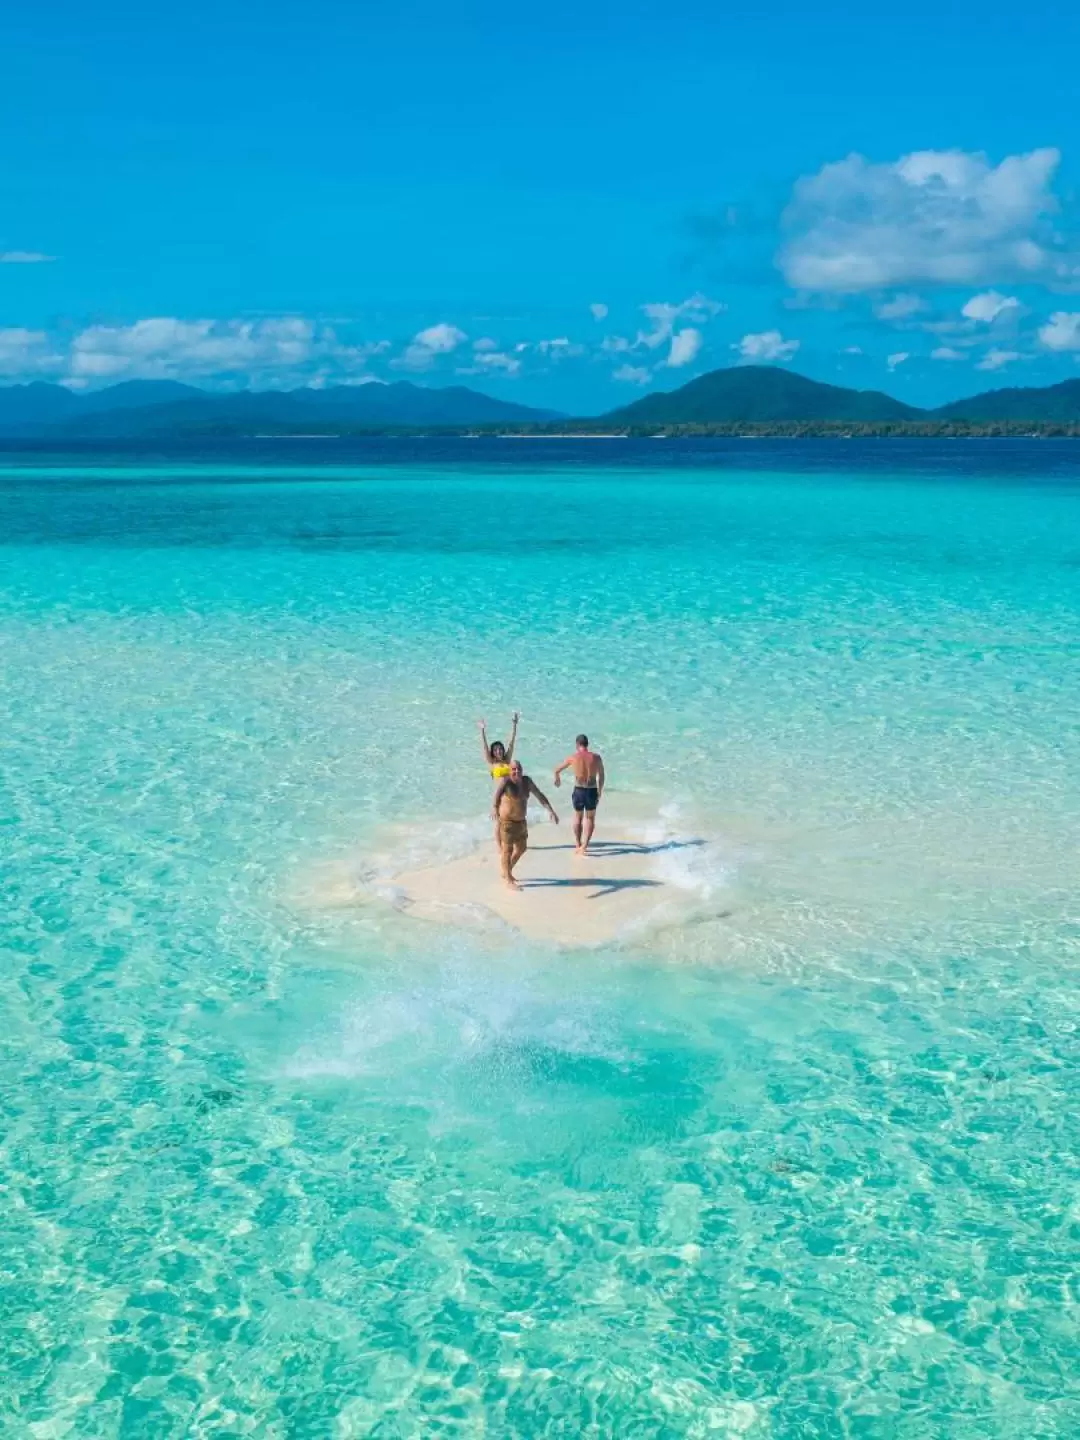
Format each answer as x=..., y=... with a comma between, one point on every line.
x=767, y=400
x=747, y=400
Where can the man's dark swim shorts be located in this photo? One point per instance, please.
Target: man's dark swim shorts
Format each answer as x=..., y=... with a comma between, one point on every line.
x=585, y=797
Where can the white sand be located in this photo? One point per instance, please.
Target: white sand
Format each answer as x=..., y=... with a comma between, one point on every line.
x=642, y=872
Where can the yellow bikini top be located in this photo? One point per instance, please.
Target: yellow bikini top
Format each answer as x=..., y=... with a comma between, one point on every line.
x=499, y=772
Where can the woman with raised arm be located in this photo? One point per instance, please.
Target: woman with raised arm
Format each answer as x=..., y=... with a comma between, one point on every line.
x=497, y=756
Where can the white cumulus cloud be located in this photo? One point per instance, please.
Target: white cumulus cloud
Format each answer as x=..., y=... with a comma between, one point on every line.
x=1062, y=331
x=427, y=345
x=765, y=346
x=277, y=350
x=939, y=216
x=685, y=345
x=986, y=308
x=852, y=350
x=164, y=347
x=994, y=359
x=599, y=311
x=632, y=374
x=945, y=352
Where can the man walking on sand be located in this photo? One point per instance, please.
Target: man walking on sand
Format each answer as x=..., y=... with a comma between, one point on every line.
x=509, y=810
x=589, y=779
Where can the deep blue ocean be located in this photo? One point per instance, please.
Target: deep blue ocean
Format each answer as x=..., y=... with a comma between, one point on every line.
x=797, y=1159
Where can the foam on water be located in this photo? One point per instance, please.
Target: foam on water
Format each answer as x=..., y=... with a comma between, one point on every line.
x=472, y=1006
x=803, y=1164
x=702, y=868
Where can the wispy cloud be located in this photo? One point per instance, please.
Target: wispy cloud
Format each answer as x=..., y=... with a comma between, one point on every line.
x=27, y=353
x=937, y=216
x=767, y=345
x=561, y=348
x=632, y=374
x=946, y=352
x=492, y=362
x=900, y=307
x=599, y=311
x=996, y=359
x=895, y=360
x=664, y=316
x=25, y=257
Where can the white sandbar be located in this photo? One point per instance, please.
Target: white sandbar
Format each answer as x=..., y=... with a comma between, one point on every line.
x=641, y=873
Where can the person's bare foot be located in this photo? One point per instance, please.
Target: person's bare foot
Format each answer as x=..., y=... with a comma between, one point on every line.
x=511, y=883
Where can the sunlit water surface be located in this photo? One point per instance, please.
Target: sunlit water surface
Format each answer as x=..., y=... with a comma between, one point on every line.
x=803, y=1167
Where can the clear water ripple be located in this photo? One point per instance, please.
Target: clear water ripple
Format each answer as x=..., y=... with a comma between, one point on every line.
x=807, y=1168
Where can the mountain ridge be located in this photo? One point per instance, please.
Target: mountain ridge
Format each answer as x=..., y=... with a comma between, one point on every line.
x=758, y=396
x=157, y=409
x=1060, y=402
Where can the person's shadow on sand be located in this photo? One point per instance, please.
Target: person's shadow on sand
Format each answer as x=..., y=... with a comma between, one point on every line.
x=603, y=849
x=606, y=850
x=599, y=885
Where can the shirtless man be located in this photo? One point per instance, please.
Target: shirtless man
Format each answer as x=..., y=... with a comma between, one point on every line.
x=589, y=778
x=509, y=809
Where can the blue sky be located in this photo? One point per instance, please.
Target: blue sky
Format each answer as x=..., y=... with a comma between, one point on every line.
x=565, y=204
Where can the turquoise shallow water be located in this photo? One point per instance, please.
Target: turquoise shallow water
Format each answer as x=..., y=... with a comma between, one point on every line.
x=804, y=1167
